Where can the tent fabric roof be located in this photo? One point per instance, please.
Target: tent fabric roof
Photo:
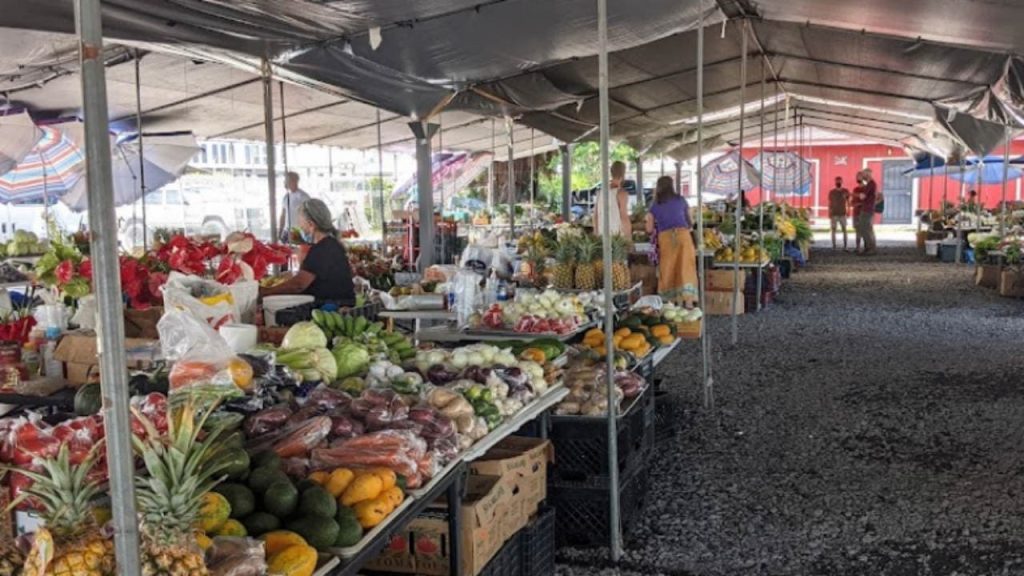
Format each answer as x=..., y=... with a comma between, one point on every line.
x=873, y=68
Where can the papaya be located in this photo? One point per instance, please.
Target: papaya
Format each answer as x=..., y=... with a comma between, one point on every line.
x=278, y=540
x=660, y=330
x=623, y=332
x=298, y=560
x=338, y=481
x=363, y=488
x=213, y=512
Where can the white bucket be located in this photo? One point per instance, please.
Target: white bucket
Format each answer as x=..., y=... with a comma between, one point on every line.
x=931, y=247
x=240, y=337
x=271, y=305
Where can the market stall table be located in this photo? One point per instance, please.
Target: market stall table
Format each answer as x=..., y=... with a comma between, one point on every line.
x=417, y=316
x=445, y=334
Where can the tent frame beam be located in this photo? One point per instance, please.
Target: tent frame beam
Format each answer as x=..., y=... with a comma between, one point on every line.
x=280, y=118
x=193, y=98
x=866, y=68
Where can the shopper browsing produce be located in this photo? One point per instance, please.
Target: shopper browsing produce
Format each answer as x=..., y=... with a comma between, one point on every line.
x=669, y=222
x=325, y=272
x=618, y=216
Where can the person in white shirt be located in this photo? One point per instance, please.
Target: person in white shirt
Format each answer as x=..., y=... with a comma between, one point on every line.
x=293, y=199
x=619, y=213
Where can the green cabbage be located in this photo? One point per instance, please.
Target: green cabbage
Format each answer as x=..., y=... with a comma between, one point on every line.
x=304, y=335
x=311, y=363
x=353, y=359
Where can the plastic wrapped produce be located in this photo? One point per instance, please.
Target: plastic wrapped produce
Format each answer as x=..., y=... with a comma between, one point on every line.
x=401, y=451
x=328, y=398
x=234, y=556
x=296, y=440
x=266, y=420
x=345, y=426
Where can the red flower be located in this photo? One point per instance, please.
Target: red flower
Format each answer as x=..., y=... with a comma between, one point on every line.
x=65, y=272
x=85, y=269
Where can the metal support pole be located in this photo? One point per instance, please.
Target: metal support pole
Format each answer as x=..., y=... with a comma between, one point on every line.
x=511, y=176
x=142, y=164
x=533, y=181
x=380, y=184
x=490, y=169
x=566, y=180
x=679, y=177
x=107, y=278
x=931, y=183
x=640, y=181
x=284, y=129
x=1006, y=182
x=705, y=338
x=440, y=163
x=775, y=151
x=662, y=172
x=268, y=126
x=615, y=540
x=760, y=204
x=738, y=240
x=424, y=133
x=959, y=217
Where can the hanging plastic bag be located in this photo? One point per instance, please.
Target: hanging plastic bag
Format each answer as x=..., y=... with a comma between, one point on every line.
x=212, y=302
x=203, y=363
x=466, y=287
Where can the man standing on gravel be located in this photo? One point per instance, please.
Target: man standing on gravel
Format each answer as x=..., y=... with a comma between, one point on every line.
x=838, y=210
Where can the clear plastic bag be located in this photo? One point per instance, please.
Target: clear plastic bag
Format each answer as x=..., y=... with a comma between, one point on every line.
x=402, y=451
x=236, y=556
x=212, y=302
x=201, y=358
x=295, y=441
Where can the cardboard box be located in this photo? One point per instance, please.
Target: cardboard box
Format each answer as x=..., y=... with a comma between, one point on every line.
x=689, y=330
x=723, y=280
x=720, y=303
x=988, y=276
x=647, y=274
x=423, y=547
x=522, y=464
x=1011, y=284
x=142, y=323
x=78, y=351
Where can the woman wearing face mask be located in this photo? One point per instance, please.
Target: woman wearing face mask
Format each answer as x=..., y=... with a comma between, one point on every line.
x=325, y=273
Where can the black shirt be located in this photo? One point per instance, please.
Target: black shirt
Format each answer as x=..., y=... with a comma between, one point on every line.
x=328, y=261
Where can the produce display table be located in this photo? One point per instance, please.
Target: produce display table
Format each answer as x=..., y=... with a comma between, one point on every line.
x=417, y=316
x=748, y=266
x=449, y=335
x=659, y=355
x=449, y=484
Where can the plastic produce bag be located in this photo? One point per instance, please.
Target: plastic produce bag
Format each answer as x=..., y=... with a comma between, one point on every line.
x=466, y=287
x=266, y=420
x=212, y=302
x=202, y=359
x=296, y=440
x=399, y=450
x=235, y=556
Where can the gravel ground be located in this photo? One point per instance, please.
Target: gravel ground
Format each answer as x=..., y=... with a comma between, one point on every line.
x=869, y=423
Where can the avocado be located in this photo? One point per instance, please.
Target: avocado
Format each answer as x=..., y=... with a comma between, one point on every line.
x=259, y=523
x=261, y=478
x=318, y=502
x=237, y=463
x=280, y=499
x=267, y=459
x=304, y=484
x=320, y=533
x=349, y=530
x=242, y=500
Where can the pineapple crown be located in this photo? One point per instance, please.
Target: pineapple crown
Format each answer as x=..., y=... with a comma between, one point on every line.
x=180, y=469
x=64, y=490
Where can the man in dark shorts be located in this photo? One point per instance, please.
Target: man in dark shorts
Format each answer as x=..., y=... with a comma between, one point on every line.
x=838, y=210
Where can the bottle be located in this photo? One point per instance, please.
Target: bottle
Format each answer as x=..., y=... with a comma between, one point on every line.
x=491, y=289
x=30, y=357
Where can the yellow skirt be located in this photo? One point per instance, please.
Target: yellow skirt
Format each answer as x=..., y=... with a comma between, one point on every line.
x=677, y=266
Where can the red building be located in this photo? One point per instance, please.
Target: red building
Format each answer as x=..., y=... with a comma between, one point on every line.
x=904, y=195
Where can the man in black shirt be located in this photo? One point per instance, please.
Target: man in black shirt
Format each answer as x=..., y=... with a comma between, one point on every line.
x=325, y=273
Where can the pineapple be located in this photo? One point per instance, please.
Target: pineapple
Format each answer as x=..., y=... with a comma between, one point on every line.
x=179, y=471
x=71, y=543
x=620, y=263
x=588, y=251
x=565, y=258
x=11, y=559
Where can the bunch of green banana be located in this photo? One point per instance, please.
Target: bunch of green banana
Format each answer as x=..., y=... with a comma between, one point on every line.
x=334, y=324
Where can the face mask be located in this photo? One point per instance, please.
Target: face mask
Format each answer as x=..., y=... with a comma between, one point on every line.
x=307, y=237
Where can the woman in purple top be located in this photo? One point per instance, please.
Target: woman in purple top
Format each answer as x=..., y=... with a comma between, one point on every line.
x=668, y=223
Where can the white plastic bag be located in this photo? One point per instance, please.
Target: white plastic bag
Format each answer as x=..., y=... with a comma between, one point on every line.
x=215, y=303
x=200, y=357
x=651, y=301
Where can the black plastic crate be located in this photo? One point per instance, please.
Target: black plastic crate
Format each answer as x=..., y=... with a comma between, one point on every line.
x=507, y=561
x=304, y=312
x=581, y=508
x=581, y=443
x=537, y=544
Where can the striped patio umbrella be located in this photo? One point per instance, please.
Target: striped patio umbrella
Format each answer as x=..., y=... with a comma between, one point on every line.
x=18, y=135
x=49, y=170
x=784, y=173
x=724, y=174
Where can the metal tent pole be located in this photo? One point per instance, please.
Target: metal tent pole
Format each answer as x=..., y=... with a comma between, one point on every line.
x=931, y=187
x=760, y=205
x=441, y=163
x=609, y=319
x=959, y=217
x=533, y=182
x=284, y=129
x=679, y=177
x=775, y=150
x=566, y=180
x=490, y=169
x=511, y=176
x=705, y=338
x=380, y=185
x=640, y=181
x=424, y=133
x=1006, y=181
x=662, y=173
x=106, y=275
x=142, y=165
x=268, y=127
x=738, y=240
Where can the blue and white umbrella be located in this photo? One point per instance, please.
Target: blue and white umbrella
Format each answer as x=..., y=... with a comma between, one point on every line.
x=165, y=156
x=783, y=173
x=18, y=135
x=728, y=172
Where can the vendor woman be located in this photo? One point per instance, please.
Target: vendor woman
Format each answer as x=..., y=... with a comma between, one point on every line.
x=668, y=223
x=325, y=273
